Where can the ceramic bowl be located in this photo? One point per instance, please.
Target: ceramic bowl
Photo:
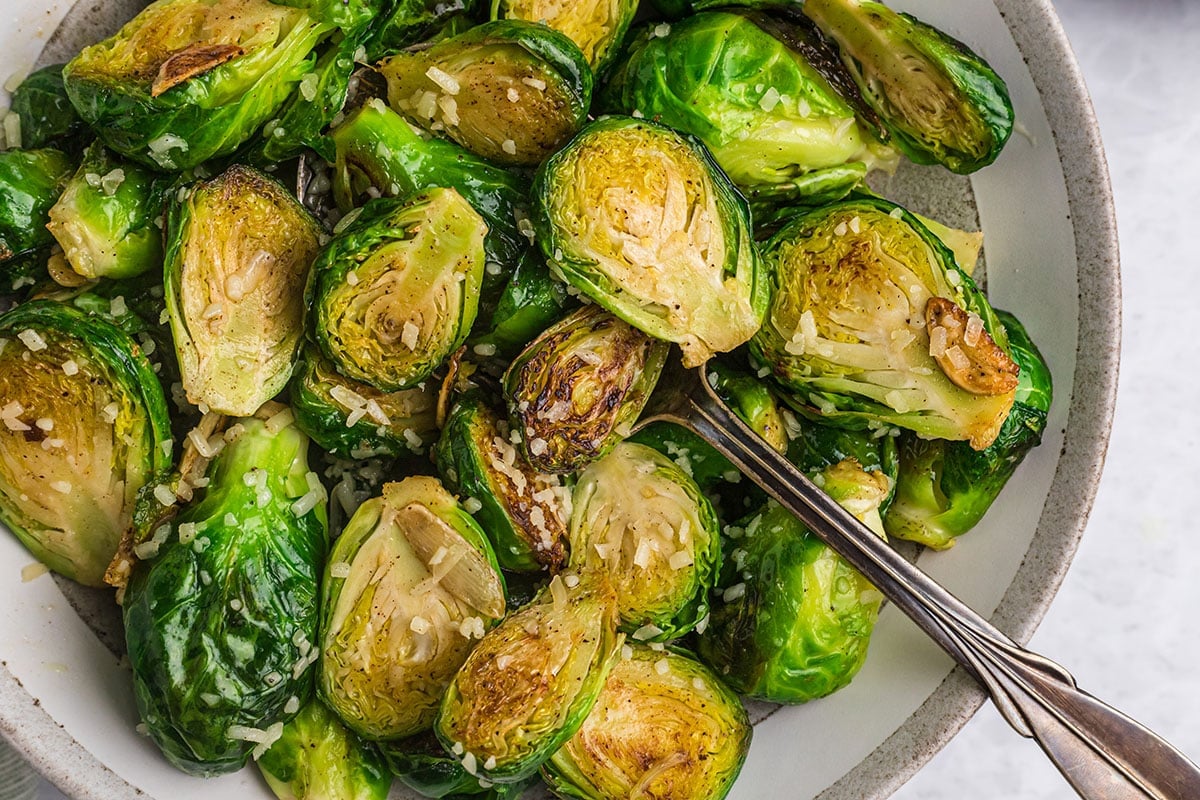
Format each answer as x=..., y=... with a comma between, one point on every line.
x=1046, y=212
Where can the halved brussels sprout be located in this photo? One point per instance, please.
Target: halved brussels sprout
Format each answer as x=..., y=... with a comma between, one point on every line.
x=523, y=511
x=765, y=95
x=411, y=584
x=398, y=289
x=664, y=727
x=30, y=183
x=221, y=611
x=872, y=321
x=945, y=488
x=510, y=91
x=942, y=103
x=356, y=420
x=641, y=220
x=109, y=217
x=577, y=389
x=187, y=80
x=529, y=685
x=411, y=22
x=316, y=758
x=640, y=519
x=791, y=620
x=83, y=426
x=47, y=117
x=531, y=301
x=596, y=26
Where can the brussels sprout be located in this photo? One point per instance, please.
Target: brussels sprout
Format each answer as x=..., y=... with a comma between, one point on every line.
x=597, y=26
x=531, y=301
x=47, y=116
x=510, y=91
x=791, y=620
x=639, y=518
x=239, y=248
x=523, y=511
x=377, y=150
x=411, y=584
x=871, y=321
x=530, y=683
x=946, y=487
x=316, y=758
x=942, y=103
x=356, y=420
x=412, y=21
x=221, y=612
x=765, y=94
x=84, y=428
x=398, y=289
x=30, y=182
x=422, y=764
x=641, y=220
x=578, y=388
x=187, y=80
x=814, y=447
x=664, y=727
x=109, y=217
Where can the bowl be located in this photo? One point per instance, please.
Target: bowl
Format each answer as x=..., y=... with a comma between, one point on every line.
x=1046, y=211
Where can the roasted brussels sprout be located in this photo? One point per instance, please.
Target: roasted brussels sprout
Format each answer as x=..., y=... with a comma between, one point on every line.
x=109, y=217
x=187, y=80
x=239, y=249
x=597, y=26
x=530, y=683
x=944, y=487
x=85, y=426
x=761, y=92
x=411, y=584
x=221, y=611
x=942, y=103
x=510, y=91
x=47, y=117
x=641, y=220
x=523, y=511
x=531, y=301
x=791, y=620
x=30, y=183
x=577, y=389
x=356, y=420
x=422, y=764
x=664, y=727
x=397, y=290
x=872, y=322
x=410, y=22
x=639, y=518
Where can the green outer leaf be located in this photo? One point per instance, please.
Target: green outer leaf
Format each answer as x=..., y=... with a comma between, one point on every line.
x=30, y=183
x=817, y=446
x=350, y=16
x=532, y=301
x=47, y=116
x=211, y=624
x=412, y=21
x=599, y=48
x=421, y=764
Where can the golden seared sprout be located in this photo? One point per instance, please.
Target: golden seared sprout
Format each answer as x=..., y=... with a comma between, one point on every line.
x=574, y=392
x=510, y=91
x=597, y=26
x=640, y=219
x=398, y=289
x=664, y=727
x=239, y=249
x=411, y=586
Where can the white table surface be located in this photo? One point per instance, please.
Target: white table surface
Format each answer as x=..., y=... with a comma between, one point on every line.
x=1125, y=621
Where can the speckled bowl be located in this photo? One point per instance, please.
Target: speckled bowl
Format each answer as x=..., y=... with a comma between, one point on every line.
x=1046, y=210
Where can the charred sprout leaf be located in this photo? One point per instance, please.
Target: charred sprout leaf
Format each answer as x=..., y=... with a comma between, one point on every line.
x=640, y=519
x=30, y=183
x=413, y=21
x=188, y=80
x=411, y=584
x=523, y=511
x=356, y=420
x=942, y=103
x=531, y=301
x=510, y=91
x=47, y=116
x=221, y=612
x=664, y=727
x=316, y=758
x=239, y=248
x=848, y=334
x=596, y=26
x=791, y=620
x=763, y=103
x=944, y=487
x=641, y=220
x=109, y=217
x=577, y=389
x=397, y=290
x=83, y=426
x=422, y=764
x=530, y=683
